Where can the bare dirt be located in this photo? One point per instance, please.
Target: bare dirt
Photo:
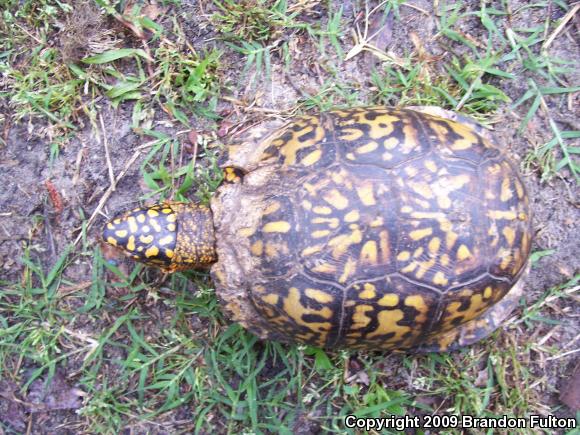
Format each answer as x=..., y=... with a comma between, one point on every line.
x=43, y=203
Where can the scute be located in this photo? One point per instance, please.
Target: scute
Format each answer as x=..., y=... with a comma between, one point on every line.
x=507, y=216
x=347, y=233
x=297, y=306
x=380, y=137
x=303, y=143
x=371, y=228
x=277, y=234
x=388, y=313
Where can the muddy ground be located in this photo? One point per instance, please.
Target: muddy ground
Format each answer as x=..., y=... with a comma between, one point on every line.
x=29, y=216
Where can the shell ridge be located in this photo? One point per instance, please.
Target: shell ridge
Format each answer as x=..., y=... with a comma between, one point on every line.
x=438, y=310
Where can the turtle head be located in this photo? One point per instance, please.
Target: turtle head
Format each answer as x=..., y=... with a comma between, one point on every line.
x=170, y=235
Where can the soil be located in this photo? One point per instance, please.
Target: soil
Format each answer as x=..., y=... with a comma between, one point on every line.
x=32, y=216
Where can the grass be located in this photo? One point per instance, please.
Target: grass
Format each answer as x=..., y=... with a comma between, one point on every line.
x=258, y=30
x=233, y=379
x=55, y=86
x=154, y=353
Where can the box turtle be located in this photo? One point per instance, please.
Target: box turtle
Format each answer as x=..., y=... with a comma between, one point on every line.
x=372, y=228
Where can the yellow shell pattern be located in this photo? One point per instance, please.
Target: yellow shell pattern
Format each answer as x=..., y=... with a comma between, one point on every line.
x=393, y=228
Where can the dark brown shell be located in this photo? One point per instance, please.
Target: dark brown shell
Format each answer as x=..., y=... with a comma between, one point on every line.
x=376, y=228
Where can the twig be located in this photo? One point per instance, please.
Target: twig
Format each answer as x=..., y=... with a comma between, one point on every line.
x=546, y=337
x=246, y=108
x=107, y=155
x=65, y=291
x=79, y=160
x=362, y=40
x=561, y=26
x=6, y=131
x=48, y=228
x=82, y=336
x=562, y=355
x=570, y=343
x=29, y=34
x=110, y=190
x=195, y=150
x=83, y=106
x=417, y=8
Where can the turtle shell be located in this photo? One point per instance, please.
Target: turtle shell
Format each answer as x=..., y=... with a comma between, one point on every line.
x=370, y=228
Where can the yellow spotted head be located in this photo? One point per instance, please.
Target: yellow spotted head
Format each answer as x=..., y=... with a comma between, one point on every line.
x=171, y=235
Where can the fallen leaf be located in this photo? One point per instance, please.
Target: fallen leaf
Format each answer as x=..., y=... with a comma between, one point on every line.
x=381, y=25
x=55, y=197
x=12, y=411
x=128, y=7
x=224, y=128
x=482, y=378
x=57, y=395
x=304, y=424
x=152, y=11
x=192, y=137
x=355, y=373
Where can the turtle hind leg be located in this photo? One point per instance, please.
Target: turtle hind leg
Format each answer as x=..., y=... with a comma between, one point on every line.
x=476, y=329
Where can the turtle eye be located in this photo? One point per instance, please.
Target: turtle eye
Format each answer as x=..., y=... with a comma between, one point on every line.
x=147, y=235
